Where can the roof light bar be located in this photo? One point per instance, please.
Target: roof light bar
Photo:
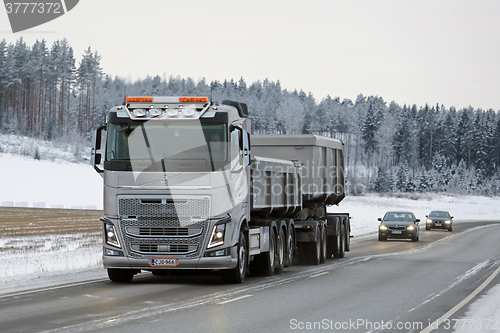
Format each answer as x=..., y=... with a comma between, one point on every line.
x=139, y=100
x=193, y=99
x=161, y=107
x=167, y=99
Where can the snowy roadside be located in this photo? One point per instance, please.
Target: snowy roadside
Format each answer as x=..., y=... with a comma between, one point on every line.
x=48, y=184
x=483, y=315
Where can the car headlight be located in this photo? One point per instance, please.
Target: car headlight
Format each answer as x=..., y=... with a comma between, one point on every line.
x=429, y=221
x=383, y=227
x=217, y=237
x=110, y=235
x=410, y=227
x=447, y=221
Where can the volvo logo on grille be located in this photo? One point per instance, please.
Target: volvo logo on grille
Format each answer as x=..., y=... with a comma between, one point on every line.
x=164, y=180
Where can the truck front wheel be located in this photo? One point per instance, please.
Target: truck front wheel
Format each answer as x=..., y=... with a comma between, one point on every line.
x=120, y=275
x=237, y=274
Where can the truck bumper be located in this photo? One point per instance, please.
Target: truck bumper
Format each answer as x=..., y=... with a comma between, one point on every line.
x=223, y=262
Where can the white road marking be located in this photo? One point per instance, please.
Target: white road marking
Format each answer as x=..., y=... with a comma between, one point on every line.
x=457, y=307
x=234, y=299
x=319, y=274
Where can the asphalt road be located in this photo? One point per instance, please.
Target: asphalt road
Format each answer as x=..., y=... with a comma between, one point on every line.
x=393, y=286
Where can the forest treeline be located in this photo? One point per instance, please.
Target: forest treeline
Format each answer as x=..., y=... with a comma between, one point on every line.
x=46, y=93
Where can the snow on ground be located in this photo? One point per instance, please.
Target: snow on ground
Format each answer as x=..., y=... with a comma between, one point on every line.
x=28, y=182
x=483, y=315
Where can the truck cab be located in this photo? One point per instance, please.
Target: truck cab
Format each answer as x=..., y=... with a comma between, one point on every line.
x=175, y=173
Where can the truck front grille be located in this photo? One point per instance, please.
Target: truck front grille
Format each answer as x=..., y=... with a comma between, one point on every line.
x=162, y=226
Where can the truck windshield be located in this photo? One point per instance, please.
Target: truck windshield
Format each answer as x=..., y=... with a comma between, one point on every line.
x=168, y=146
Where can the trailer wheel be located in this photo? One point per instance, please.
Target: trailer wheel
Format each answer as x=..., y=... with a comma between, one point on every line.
x=348, y=234
x=120, y=275
x=330, y=246
x=290, y=246
x=237, y=274
x=280, y=251
x=340, y=240
x=314, y=249
x=322, y=259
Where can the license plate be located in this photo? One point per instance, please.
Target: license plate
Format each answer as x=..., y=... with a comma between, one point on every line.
x=438, y=224
x=163, y=262
x=396, y=232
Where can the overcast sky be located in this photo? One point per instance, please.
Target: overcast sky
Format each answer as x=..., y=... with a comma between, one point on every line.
x=412, y=51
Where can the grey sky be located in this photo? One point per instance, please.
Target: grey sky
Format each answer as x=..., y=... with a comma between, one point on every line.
x=426, y=51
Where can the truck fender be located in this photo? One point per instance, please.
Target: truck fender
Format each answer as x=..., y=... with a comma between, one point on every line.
x=333, y=225
x=235, y=235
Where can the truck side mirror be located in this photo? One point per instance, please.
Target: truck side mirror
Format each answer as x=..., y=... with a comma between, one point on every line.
x=96, y=153
x=244, y=144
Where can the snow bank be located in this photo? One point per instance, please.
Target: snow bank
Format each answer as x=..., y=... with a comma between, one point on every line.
x=483, y=315
x=27, y=182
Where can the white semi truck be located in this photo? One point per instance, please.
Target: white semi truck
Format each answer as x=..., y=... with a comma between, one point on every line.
x=187, y=188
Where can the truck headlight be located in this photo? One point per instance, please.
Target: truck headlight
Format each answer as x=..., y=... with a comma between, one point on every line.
x=110, y=235
x=217, y=237
x=383, y=227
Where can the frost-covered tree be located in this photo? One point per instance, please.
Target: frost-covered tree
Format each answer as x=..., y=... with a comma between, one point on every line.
x=290, y=114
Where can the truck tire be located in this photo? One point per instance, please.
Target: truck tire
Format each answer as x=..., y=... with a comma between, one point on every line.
x=120, y=275
x=280, y=252
x=330, y=246
x=340, y=242
x=237, y=274
x=264, y=263
x=348, y=234
x=323, y=255
x=314, y=248
x=290, y=245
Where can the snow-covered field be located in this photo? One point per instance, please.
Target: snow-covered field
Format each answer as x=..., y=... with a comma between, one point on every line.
x=27, y=182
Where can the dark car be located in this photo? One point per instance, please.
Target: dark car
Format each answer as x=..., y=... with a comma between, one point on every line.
x=398, y=225
x=439, y=219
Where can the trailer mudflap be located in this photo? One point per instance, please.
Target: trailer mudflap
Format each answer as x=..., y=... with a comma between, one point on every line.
x=306, y=231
